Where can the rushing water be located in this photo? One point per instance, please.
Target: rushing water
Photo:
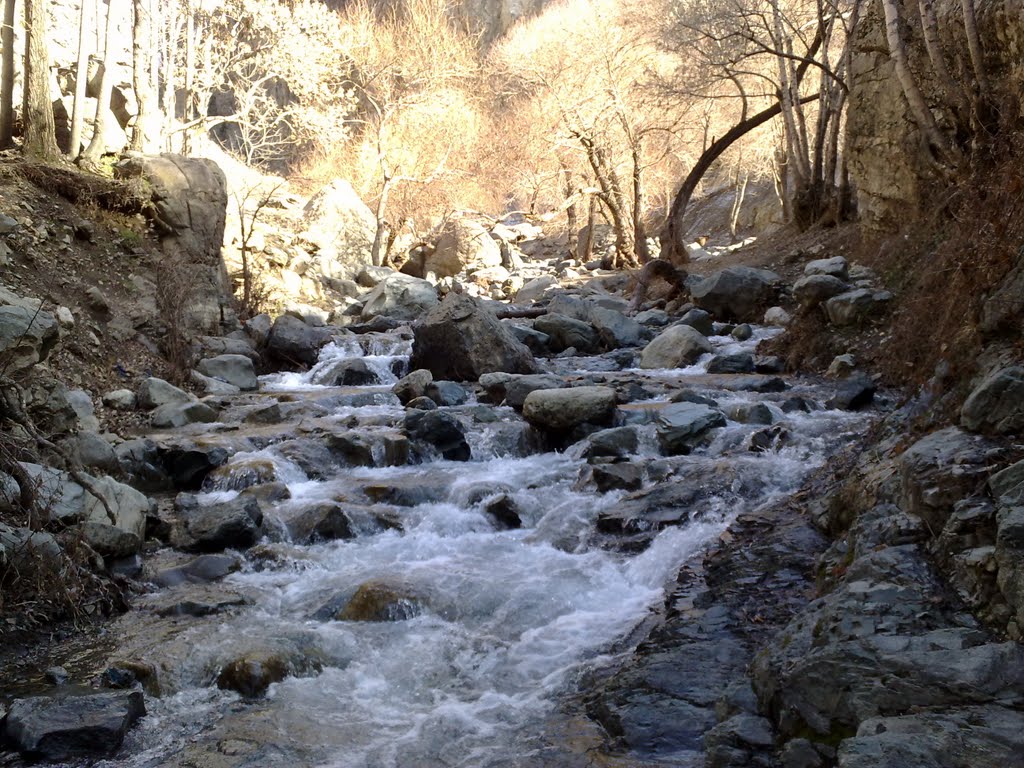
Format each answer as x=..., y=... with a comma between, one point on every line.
x=510, y=620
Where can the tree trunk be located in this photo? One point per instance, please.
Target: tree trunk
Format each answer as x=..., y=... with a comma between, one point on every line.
x=190, y=74
x=641, y=248
x=915, y=99
x=571, y=221
x=98, y=144
x=142, y=61
x=81, y=81
x=40, y=138
x=7, y=77
x=929, y=25
x=974, y=46
x=380, y=236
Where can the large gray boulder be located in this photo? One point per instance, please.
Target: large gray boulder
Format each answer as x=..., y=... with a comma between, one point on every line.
x=616, y=329
x=564, y=332
x=153, y=393
x=340, y=224
x=560, y=410
x=215, y=527
x=26, y=336
x=460, y=340
x=236, y=370
x=173, y=415
x=857, y=306
x=675, y=347
x=293, y=343
x=812, y=290
x=682, y=425
x=400, y=297
x=996, y=404
x=834, y=267
x=69, y=726
x=736, y=293
x=463, y=244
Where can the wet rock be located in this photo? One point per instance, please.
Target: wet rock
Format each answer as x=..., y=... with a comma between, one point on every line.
x=265, y=414
x=618, y=442
x=737, y=293
x=447, y=393
x=855, y=393
x=154, y=393
x=175, y=415
x=293, y=344
x=460, y=341
x=835, y=267
x=512, y=389
x=742, y=332
x=741, y=362
x=812, y=290
x=422, y=404
x=617, y=477
x=441, y=430
x=200, y=570
x=1007, y=485
x=614, y=329
x=856, y=306
x=996, y=404
x=210, y=386
x=699, y=320
x=413, y=385
x=940, y=470
x=565, y=332
x=727, y=745
x=252, y=674
x=353, y=448
x=236, y=370
x=348, y=373
x=69, y=726
x=26, y=336
x=504, y=510
x=195, y=601
x=751, y=413
x=321, y=522
x=689, y=396
x=381, y=600
x=215, y=527
x=678, y=346
x=187, y=467
x=562, y=409
x=682, y=425
x=761, y=384
x=400, y=297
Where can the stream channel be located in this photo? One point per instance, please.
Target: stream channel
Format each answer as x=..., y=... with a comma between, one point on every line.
x=489, y=628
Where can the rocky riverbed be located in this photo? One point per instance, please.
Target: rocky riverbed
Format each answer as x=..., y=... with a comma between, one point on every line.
x=568, y=537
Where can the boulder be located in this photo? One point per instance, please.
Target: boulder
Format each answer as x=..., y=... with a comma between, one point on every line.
x=675, y=347
x=175, y=415
x=252, y=673
x=71, y=726
x=460, y=341
x=320, y=522
x=400, y=297
x=464, y=243
x=833, y=267
x=210, y=386
x=1007, y=485
x=777, y=316
x=447, y=393
x=383, y=600
x=996, y=404
x=560, y=410
x=349, y=372
x=536, y=289
x=856, y=306
x=741, y=362
x=153, y=393
x=855, y=393
x=339, y=223
x=413, y=385
x=736, y=293
x=120, y=400
x=215, y=527
x=95, y=451
x=680, y=426
x=236, y=370
x=26, y=336
x=699, y=320
x=812, y=290
x=615, y=330
x=81, y=402
x=565, y=332
x=200, y=570
x=293, y=343
x=440, y=430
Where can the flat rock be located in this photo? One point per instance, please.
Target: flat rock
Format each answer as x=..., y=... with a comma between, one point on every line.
x=563, y=409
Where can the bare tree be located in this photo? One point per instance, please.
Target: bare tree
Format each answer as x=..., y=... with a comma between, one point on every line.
x=90, y=158
x=142, y=76
x=40, y=137
x=7, y=76
x=81, y=81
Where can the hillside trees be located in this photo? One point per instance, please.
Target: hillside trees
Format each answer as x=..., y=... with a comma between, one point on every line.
x=39, y=138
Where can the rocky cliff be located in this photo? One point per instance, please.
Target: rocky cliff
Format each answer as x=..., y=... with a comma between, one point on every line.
x=887, y=159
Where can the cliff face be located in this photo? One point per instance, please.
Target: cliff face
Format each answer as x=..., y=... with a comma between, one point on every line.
x=887, y=158
x=495, y=17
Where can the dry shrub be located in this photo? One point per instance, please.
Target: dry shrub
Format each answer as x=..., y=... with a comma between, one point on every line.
x=174, y=297
x=945, y=267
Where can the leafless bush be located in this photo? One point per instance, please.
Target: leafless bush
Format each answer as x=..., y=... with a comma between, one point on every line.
x=175, y=294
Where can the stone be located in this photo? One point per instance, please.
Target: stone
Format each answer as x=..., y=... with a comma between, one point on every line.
x=27, y=337
x=841, y=366
x=742, y=332
x=258, y=328
x=253, y=673
x=370, y=276
x=653, y=317
x=210, y=386
x=400, y=297
x=349, y=372
x=236, y=370
x=565, y=332
x=834, y=267
x=320, y=522
x=200, y=570
x=741, y=362
x=69, y=726
x=120, y=400
x=460, y=340
x=536, y=289
x=81, y=402
x=153, y=393
x=294, y=344
x=95, y=451
x=441, y=430
x=617, y=442
x=854, y=307
x=855, y=393
x=675, y=347
x=777, y=316
x=1007, y=485
x=513, y=389
x=463, y=244
x=215, y=527
x=383, y=600
x=447, y=393
x=504, y=511
x=413, y=385
x=680, y=426
x=617, y=477
x=814, y=289
x=173, y=415
x=751, y=413
x=340, y=223
x=700, y=320
x=560, y=410
x=736, y=293
x=534, y=340
x=212, y=346
x=996, y=404
x=614, y=329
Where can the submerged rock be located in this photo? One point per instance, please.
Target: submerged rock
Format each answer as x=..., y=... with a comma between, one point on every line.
x=383, y=601
x=682, y=425
x=563, y=409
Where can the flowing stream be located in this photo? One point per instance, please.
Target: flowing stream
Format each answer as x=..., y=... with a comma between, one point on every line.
x=503, y=623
